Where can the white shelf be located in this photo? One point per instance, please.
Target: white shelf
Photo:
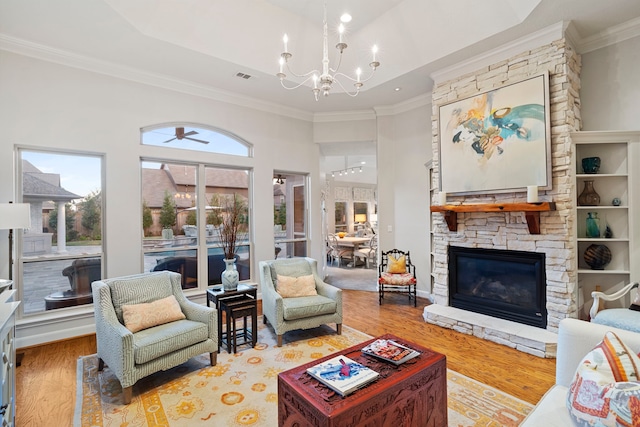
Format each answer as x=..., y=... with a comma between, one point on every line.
x=614, y=179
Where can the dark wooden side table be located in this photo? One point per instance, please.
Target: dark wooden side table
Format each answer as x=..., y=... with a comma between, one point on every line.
x=245, y=293
x=411, y=394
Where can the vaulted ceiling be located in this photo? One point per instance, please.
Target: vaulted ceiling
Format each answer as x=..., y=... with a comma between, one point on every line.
x=208, y=42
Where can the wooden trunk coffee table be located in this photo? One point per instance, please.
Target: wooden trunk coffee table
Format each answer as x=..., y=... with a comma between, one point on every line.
x=411, y=394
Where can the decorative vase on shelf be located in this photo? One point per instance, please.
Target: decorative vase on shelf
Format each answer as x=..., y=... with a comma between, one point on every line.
x=591, y=164
x=597, y=257
x=593, y=225
x=588, y=197
x=230, y=276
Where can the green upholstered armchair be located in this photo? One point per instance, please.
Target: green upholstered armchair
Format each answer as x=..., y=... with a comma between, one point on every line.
x=305, y=312
x=134, y=355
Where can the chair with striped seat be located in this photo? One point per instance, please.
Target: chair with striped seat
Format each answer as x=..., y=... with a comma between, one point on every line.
x=397, y=274
x=145, y=324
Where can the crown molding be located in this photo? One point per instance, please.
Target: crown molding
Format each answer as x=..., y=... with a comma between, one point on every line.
x=344, y=116
x=404, y=106
x=58, y=56
x=610, y=36
x=534, y=40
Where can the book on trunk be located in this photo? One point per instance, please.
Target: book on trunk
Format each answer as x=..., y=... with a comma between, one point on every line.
x=390, y=351
x=342, y=374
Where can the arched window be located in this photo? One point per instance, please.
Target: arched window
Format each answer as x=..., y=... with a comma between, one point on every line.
x=189, y=136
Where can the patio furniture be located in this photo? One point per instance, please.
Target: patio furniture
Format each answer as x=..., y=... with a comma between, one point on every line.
x=81, y=273
x=320, y=306
x=174, y=329
x=187, y=267
x=396, y=274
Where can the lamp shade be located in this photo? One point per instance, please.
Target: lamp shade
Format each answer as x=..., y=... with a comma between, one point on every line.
x=14, y=215
x=360, y=217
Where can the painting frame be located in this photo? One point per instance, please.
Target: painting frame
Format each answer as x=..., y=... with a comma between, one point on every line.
x=498, y=140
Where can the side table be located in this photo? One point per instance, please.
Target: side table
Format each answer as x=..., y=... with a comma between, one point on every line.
x=225, y=301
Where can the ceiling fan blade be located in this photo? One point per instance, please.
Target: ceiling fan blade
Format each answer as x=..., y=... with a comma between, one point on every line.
x=169, y=140
x=191, y=132
x=197, y=140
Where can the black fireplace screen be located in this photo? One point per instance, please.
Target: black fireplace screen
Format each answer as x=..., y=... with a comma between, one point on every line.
x=510, y=285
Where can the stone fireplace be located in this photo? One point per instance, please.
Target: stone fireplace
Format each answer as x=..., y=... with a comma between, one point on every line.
x=508, y=231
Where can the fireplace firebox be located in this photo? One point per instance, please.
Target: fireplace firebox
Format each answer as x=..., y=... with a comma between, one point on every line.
x=506, y=284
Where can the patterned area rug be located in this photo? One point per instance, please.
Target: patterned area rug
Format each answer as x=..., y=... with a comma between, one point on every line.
x=241, y=390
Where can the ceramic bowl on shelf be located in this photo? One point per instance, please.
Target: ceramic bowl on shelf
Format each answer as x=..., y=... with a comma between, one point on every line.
x=591, y=164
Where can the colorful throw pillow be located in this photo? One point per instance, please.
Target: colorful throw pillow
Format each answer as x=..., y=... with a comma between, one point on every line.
x=146, y=315
x=605, y=391
x=301, y=286
x=396, y=266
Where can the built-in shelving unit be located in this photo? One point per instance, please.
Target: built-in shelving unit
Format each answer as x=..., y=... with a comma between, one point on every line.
x=614, y=179
x=531, y=212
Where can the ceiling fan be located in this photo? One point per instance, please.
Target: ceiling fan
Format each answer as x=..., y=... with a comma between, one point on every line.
x=180, y=135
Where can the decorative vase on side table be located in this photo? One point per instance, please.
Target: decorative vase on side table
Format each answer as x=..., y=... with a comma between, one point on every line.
x=588, y=197
x=230, y=277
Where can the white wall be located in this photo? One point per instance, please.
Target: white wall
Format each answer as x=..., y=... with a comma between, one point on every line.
x=46, y=105
x=610, y=91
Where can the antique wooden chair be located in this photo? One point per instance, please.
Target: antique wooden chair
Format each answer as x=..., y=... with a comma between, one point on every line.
x=396, y=273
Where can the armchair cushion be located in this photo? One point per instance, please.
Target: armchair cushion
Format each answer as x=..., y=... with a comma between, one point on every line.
x=293, y=267
x=142, y=316
x=135, y=290
x=151, y=343
x=397, y=279
x=622, y=318
x=303, y=307
x=605, y=388
x=397, y=266
x=301, y=286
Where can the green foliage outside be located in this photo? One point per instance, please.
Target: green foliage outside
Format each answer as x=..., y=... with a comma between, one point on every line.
x=214, y=216
x=280, y=215
x=69, y=220
x=168, y=211
x=91, y=215
x=147, y=218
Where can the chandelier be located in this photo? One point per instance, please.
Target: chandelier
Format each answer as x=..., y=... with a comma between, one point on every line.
x=323, y=80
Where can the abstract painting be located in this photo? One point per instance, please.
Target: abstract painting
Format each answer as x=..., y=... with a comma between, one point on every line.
x=497, y=141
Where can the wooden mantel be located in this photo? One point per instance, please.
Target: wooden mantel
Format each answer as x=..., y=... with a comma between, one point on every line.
x=531, y=212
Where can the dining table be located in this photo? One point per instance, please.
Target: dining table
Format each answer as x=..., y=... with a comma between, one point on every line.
x=353, y=244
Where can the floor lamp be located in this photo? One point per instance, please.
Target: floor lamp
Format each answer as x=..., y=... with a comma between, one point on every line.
x=14, y=215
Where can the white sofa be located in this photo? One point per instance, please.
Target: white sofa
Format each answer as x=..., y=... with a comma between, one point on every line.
x=575, y=339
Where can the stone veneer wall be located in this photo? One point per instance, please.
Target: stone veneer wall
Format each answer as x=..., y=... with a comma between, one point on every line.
x=509, y=230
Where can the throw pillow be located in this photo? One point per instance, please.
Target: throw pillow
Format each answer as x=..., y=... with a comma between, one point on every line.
x=146, y=315
x=605, y=390
x=301, y=286
x=396, y=266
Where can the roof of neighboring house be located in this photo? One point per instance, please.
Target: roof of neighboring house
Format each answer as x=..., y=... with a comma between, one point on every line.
x=215, y=177
x=37, y=185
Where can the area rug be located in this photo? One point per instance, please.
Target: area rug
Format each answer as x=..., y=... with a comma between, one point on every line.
x=241, y=390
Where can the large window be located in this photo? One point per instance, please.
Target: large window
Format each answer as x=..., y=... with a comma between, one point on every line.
x=62, y=252
x=290, y=215
x=183, y=206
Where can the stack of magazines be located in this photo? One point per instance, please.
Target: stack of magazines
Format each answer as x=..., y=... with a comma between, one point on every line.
x=343, y=375
x=390, y=351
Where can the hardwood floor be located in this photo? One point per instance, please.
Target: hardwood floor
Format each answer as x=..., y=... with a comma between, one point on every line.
x=46, y=378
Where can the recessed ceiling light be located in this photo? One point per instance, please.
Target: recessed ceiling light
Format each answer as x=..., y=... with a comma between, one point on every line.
x=345, y=18
x=398, y=89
